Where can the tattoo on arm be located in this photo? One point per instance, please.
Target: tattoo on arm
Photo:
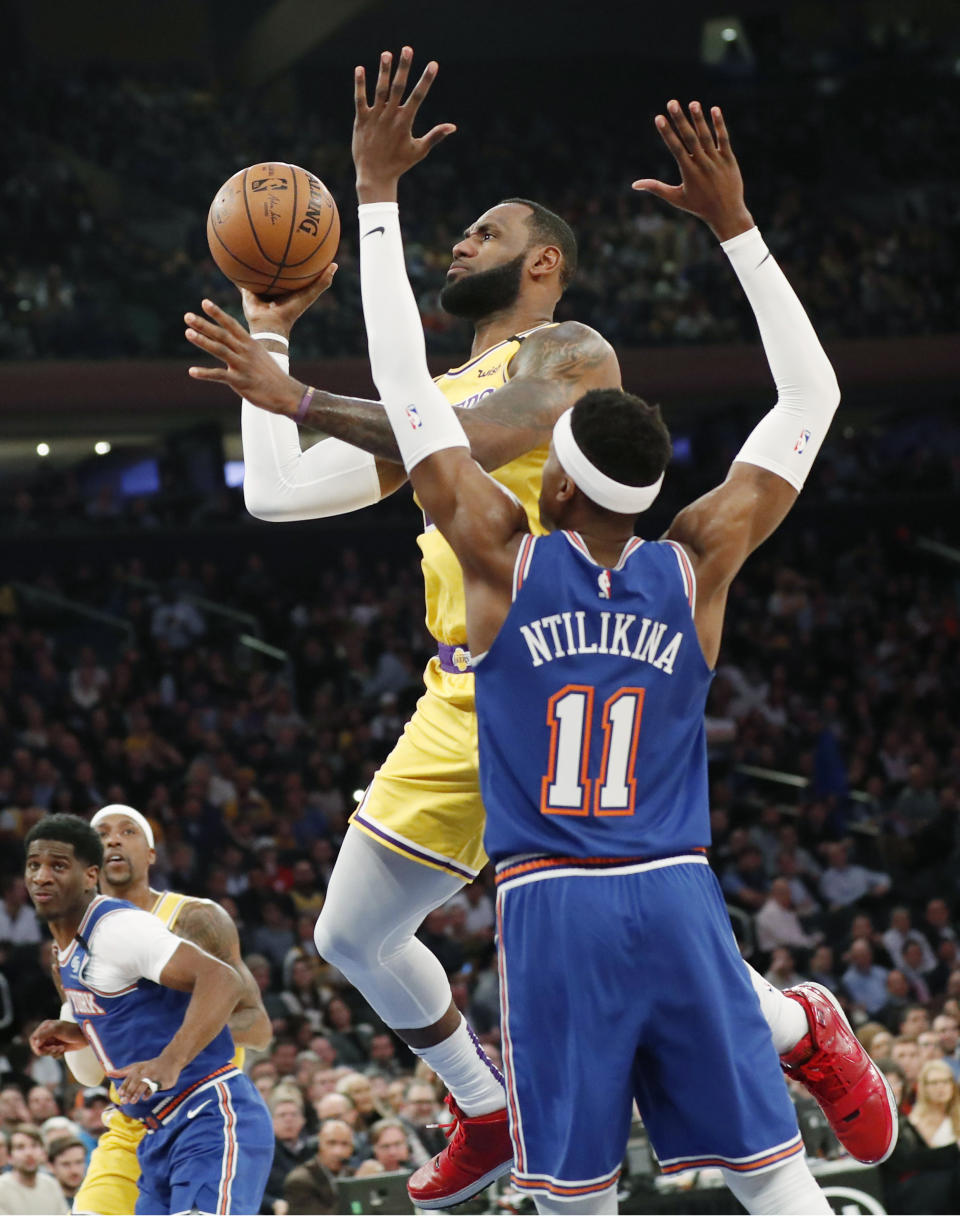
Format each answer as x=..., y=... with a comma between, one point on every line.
x=209, y=927
x=548, y=373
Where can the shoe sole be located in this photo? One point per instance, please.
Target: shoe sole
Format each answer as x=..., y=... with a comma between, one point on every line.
x=468, y=1192
x=891, y=1101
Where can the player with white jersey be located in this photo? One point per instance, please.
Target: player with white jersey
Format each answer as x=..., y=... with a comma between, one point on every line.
x=416, y=837
x=109, y=1186
x=154, y=1009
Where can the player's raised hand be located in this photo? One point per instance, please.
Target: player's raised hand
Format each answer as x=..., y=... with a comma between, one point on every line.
x=384, y=146
x=54, y=1037
x=711, y=187
x=248, y=368
x=278, y=314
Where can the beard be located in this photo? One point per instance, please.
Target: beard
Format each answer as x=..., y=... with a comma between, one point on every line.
x=478, y=294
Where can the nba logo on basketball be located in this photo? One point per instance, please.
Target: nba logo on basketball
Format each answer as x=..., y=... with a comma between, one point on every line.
x=603, y=581
x=802, y=440
x=413, y=417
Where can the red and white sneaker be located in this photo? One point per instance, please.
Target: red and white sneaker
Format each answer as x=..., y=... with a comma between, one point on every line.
x=851, y=1091
x=478, y=1152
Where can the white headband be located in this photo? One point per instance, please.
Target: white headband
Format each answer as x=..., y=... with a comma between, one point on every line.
x=116, y=808
x=598, y=487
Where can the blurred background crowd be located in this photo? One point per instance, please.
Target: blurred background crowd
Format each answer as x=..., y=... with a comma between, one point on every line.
x=240, y=683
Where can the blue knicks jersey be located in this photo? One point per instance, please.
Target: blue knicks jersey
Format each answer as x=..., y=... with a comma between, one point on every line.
x=136, y=1022
x=590, y=706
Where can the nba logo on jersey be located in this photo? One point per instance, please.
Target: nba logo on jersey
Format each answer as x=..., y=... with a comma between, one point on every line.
x=603, y=582
x=413, y=417
x=802, y=440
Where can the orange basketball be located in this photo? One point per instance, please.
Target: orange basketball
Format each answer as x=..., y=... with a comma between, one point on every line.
x=273, y=228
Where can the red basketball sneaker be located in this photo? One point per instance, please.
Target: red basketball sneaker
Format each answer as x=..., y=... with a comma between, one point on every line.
x=852, y=1092
x=478, y=1152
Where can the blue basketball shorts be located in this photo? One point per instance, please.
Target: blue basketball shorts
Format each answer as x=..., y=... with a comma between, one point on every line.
x=213, y=1154
x=623, y=982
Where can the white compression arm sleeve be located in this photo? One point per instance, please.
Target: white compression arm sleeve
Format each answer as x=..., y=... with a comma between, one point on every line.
x=787, y=440
x=281, y=482
x=83, y=1063
x=422, y=419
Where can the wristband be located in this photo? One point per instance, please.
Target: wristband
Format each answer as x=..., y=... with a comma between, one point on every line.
x=304, y=404
x=273, y=338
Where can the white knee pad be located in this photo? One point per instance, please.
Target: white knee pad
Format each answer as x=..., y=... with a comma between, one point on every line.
x=376, y=902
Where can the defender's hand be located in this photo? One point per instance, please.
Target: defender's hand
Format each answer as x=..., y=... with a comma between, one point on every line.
x=248, y=369
x=54, y=1037
x=384, y=146
x=278, y=314
x=711, y=187
x=146, y=1078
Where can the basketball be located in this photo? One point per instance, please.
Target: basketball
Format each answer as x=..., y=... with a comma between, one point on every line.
x=273, y=228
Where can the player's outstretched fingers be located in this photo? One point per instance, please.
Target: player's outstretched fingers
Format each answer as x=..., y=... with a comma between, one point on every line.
x=703, y=132
x=224, y=320
x=400, y=76
x=681, y=124
x=671, y=139
x=382, y=91
x=360, y=103
x=723, y=138
x=422, y=87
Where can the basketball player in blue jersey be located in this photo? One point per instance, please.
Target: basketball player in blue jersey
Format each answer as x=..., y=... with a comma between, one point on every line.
x=154, y=1008
x=415, y=838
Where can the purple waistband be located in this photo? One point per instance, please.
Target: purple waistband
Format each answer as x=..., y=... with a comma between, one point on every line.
x=454, y=659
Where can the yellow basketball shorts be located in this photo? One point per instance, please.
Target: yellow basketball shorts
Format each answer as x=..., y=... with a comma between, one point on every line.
x=424, y=801
x=110, y=1186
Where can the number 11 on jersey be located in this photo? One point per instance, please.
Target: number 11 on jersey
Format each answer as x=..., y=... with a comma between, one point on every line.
x=566, y=789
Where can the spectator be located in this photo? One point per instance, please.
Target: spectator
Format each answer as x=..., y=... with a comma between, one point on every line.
x=923, y=1173
x=899, y=933
x=13, y=1108
x=94, y=1102
x=777, y=923
x=359, y=1090
x=745, y=882
x=906, y=1054
x=291, y=1146
x=421, y=1115
x=26, y=1190
x=864, y=982
x=351, y=1042
x=928, y=1041
x=388, y=1139
x=18, y=921
x=881, y=1044
x=937, y=923
x=312, y=1187
x=898, y=998
x=843, y=884
x=782, y=972
x=947, y=1029
x=41, y=1104
x=68, y=1161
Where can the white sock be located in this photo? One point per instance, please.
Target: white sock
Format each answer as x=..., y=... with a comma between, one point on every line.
x=463, y=1066
x=788, y=1190
x=786, y=1018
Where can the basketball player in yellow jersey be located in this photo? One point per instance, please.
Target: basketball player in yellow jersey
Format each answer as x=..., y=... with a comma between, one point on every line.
x=110, y=1185
x=416, y=837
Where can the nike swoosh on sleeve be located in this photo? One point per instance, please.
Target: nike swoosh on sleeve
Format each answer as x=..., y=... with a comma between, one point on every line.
x=372, y=231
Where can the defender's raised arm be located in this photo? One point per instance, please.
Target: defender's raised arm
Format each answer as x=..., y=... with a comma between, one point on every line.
x=721, y=529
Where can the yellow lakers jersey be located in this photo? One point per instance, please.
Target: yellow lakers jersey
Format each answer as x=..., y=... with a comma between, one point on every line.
x=466, y=387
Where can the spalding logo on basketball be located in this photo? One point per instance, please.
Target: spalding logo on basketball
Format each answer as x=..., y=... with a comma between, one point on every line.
x=273, y=228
